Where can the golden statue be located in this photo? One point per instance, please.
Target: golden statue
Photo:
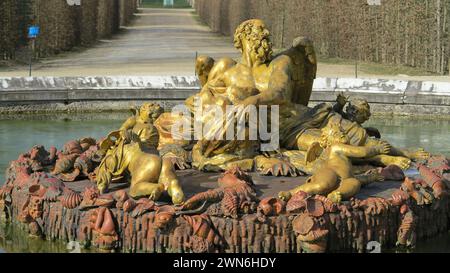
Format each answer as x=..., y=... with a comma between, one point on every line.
x=146, y=148
x=332, y=170
x=131, y=153
x=258, y=79
x=285, y=81
x=304, y=60
x=141, y=124
x=357, y=112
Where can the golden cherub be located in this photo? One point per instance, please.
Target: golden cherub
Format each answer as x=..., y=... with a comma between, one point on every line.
x=332, y=170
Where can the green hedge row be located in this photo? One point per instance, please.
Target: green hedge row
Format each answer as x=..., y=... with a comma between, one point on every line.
x=408, y=32
x=62, y=26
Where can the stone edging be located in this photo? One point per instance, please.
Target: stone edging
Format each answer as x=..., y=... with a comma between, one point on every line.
x=57, y=94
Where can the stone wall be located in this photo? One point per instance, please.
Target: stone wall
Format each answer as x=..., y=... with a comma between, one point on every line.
x=54, y=94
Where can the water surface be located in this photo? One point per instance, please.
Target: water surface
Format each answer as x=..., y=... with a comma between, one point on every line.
x=428, y=133
x=19, y=133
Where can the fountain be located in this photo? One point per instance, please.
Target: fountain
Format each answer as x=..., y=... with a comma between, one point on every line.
x=326, y=183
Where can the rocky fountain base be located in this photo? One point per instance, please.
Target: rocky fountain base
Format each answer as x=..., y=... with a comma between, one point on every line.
x=243, y=215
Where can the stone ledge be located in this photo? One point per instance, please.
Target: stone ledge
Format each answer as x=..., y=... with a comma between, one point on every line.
x=56, y=94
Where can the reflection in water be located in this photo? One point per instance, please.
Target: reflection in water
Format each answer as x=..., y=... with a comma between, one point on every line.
x=440, y=244
x=14, y=239
x=19, y=133
x=431, y=134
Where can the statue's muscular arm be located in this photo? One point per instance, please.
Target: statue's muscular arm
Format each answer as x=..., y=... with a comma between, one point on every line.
x=279, y=86
x=216, y=79
x=128, y=124
x=217, y=74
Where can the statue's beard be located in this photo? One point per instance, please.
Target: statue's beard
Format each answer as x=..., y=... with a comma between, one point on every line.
x=262, y=50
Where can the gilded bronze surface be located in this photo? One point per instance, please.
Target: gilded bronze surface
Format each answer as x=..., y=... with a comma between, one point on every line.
x=131, y=153
x=332, y=170
x=323, y=141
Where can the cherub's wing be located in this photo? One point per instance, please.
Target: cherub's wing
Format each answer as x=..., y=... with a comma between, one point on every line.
x=314, y=152
x=203, y=66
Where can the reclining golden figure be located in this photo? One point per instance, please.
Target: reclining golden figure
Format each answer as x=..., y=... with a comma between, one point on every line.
x=259, y=79
x=332, y=170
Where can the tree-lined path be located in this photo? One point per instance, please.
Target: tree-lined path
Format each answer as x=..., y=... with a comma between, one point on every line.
x=158, y=42
x=164, y=42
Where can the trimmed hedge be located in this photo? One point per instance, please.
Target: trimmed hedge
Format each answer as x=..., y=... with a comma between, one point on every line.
x=62, y=26
x=409, y=32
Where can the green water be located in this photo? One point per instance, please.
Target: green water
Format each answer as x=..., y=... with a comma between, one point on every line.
x=19, y=133
x=431, y=134
x=15, y=239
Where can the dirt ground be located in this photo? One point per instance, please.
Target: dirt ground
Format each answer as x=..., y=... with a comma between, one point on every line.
x=160, y=42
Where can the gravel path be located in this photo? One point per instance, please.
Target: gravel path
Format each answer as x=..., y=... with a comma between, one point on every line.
x=159, y=42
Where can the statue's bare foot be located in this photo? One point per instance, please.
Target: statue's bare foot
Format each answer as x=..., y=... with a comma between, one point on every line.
x=154, y=195
x=277, y=167
x=374, y=176
x=403, y=162
x=419, y=154
x=335, y=197
x=284, y=195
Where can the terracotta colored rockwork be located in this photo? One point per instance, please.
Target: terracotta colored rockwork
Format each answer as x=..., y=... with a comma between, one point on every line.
x=235, y=194
x=77, y=159
x=71, y=199
x=228, y=219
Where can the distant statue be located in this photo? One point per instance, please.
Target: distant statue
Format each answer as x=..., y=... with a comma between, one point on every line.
x=168, y=3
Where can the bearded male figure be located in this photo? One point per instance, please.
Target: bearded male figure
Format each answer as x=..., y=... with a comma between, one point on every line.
x=258, y=79
x=261, y=79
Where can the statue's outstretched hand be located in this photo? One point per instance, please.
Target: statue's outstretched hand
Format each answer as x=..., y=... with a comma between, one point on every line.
x=342, y=99
x=384, y=147
x=276, y=167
